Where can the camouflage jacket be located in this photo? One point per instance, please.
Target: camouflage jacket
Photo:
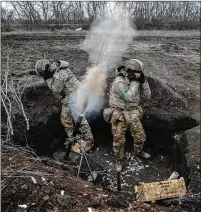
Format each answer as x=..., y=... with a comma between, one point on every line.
x=63, y=83
x=132, y=93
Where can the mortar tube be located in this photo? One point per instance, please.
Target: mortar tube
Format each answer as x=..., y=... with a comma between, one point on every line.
x=76, y=128
x=77, y=124
x=80, y=118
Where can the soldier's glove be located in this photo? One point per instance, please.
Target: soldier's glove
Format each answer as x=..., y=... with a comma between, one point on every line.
x=47, y=74
x=118, y=71
x=132, y=77
x=141, y=79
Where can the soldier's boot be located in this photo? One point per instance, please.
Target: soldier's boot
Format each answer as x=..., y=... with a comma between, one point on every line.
x=138, y=151
x=87, y=145
x=75, y=147
x=143, y=155
x=119, y=165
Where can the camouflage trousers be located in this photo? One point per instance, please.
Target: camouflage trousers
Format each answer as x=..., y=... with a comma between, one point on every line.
x=140, y=112
x=67, y=120
x=122, y=121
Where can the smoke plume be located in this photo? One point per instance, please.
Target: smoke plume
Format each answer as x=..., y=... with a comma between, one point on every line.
x=105, y=44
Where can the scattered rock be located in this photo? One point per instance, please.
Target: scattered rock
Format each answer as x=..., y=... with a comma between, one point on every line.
x=64, y=200
x=45, y=198
x=78, y=29
x=45, y=189
x=24, y=186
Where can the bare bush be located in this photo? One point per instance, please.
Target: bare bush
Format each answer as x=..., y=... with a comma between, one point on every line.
x=11, y=99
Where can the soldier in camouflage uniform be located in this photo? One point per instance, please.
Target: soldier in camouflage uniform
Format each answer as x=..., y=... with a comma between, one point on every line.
x=62, y=82
x=126, y=92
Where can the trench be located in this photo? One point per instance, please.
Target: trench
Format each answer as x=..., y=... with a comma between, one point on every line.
x=166, y=155
x=165, y=152
x=46, y=136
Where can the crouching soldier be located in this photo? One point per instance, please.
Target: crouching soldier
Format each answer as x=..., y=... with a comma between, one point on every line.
x=124, y=100
x=62, y=82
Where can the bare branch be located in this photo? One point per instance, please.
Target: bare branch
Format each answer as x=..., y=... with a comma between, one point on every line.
x=11, y=97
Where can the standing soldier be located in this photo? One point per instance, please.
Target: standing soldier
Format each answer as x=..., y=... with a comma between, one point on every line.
x=126, y=92
x=62, y=82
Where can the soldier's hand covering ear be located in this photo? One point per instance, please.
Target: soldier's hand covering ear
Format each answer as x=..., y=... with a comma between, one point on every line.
x=131, y=77
x=47, y=73
x=120, y=67
x=141, y=79
x=118, y=70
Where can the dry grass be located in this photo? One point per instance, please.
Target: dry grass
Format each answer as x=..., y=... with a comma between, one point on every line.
x=169, y=33
x=147, y=33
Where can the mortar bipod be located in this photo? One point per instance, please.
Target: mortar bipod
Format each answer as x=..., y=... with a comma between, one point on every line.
x=94, y=167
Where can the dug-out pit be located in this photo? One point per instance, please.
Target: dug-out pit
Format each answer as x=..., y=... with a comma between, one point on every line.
x=46, y=136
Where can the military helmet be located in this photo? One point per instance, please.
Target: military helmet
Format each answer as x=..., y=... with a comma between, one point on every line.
x=58, y=64
x=135, y=64
x=63, y=63
x=41, y=66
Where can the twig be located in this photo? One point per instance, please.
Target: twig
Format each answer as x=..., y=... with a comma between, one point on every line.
x=8, y=113
x=6, y=181
x=20, y=149
x=7, y=67
x=21, y=171
x=11, y=97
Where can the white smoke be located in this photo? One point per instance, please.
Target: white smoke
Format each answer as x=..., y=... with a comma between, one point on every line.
x=108, y=40
x=105, y=44
x=91, y=89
